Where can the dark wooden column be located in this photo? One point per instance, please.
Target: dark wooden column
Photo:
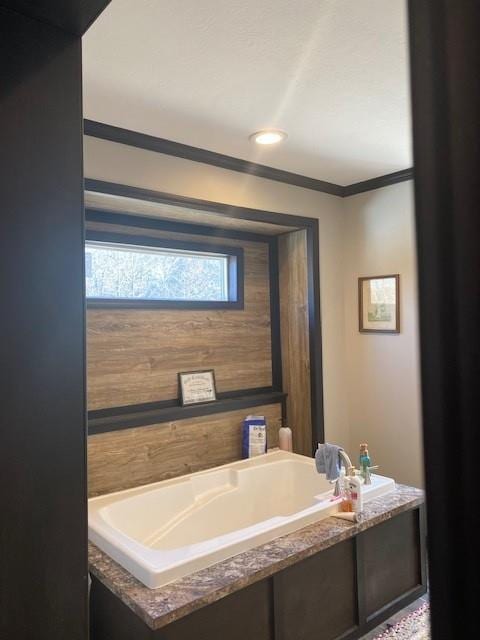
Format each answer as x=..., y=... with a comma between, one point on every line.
x=43, y=521
x=445, y=63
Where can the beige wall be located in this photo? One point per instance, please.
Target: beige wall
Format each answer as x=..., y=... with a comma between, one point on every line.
x=383, y=370
x=371, y=388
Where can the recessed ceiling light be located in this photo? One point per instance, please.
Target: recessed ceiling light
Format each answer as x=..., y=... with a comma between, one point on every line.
x=268, y=136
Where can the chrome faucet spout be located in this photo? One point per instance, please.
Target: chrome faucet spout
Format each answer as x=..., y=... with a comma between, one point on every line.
x=349, y=470
x=347, y=463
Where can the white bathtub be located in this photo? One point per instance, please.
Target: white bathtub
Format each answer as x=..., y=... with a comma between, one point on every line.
x=163, y=531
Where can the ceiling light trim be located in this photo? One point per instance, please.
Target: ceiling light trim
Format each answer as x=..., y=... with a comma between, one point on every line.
x=267, y=137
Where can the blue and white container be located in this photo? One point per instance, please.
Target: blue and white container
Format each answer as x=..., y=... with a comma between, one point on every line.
x=254, y=436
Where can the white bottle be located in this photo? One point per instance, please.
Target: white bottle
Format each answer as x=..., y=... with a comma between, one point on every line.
x=355, y=488
x=285, y=440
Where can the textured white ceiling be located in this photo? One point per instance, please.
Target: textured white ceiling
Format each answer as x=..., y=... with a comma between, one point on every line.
x=332, y=73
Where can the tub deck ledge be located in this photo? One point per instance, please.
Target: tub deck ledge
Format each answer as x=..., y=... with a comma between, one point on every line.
x=159, y=607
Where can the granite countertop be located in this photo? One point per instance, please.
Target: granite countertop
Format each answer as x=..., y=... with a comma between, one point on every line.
x=159, y=607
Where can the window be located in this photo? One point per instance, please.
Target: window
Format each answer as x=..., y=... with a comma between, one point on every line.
x=132, y=271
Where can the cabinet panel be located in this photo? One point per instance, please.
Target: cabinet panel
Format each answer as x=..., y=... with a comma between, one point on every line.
x=245, y=615
x=391, y=560
x=111, y=619
x=316, y=598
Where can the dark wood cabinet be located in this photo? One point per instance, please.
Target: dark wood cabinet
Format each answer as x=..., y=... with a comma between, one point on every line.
x=316, y=597
x=338, y=593
x=391, y=560
x=246, y=614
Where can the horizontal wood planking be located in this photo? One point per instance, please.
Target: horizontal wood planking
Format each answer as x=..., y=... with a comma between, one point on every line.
x=219, y=208
x=132, y=457
x=164, y=211
x=295, y=337
x=134, y=355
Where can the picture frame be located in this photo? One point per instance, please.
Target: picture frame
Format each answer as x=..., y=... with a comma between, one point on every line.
x=379, y=304
x=197, y=387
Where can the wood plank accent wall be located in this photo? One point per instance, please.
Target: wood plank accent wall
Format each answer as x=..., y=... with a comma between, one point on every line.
x=294, y=336
x=131, y=457
x=134, y=354
x=107, y=202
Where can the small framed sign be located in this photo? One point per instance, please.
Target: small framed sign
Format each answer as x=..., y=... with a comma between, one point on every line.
x=379, y=304
x=197, y=387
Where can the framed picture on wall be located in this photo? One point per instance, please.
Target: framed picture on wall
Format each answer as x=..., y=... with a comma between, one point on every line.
x=379, y=304
x=197, y=387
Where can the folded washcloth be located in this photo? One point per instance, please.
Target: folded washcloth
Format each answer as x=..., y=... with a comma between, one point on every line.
x=327, y=460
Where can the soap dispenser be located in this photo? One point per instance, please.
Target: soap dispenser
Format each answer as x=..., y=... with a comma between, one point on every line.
x=285, y=438
x=355, y=492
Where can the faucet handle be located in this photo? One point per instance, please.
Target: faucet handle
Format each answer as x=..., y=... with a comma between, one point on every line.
x=367, y=476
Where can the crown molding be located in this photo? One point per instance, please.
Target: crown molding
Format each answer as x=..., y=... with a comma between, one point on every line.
x=179, y=150
x=377, y=183
x=169, y=147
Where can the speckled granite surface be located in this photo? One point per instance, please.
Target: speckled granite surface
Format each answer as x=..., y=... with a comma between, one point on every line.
x=159, y=607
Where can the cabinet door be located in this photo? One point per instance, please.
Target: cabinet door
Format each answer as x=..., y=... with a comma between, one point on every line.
x=316, y=598
x=244, y=615
x=391, y=560
x=111, y=619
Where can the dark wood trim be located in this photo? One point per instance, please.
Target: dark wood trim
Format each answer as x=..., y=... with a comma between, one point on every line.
x=445, y=58
x=360, y=581
x=104, y=420
x=150, y=241
x=236, y=269
x=276, y=342
x=128, y=409
x=71, y=16
x=390, y=610
x=168, y=147
x=107, y=610
x=144, y=222
x=386, y=611
x=43, y=548
x=315, y=336
x=127, y=303
x=397, y=304
x=218, y=208
x=377, y=183
x=423, y=544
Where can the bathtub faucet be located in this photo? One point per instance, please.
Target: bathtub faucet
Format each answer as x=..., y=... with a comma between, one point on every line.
x=349, y=470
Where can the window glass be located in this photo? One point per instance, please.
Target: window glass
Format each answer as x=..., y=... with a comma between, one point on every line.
x=130, y=272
